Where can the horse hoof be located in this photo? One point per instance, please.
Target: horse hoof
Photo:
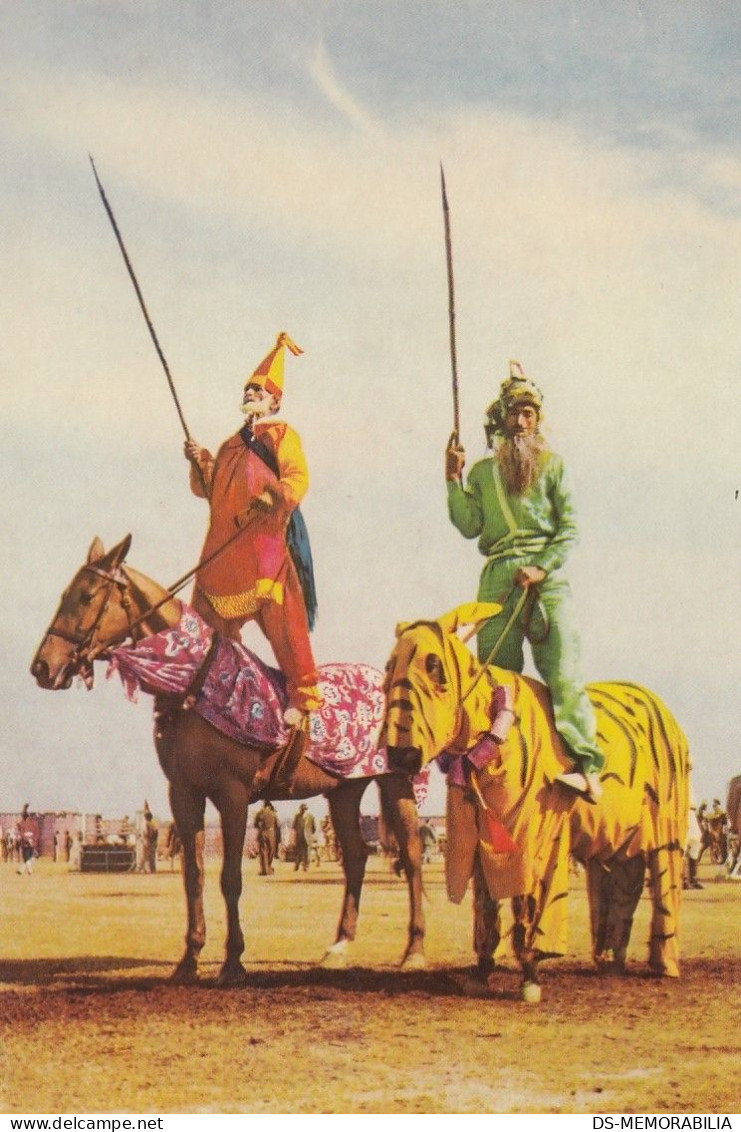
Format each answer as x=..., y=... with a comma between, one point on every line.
x=666, y=970
x=531, y=993
x=416, y=961
x=231, y=975
x=185, y=974
x=336, y=957
x=608, y=963
x=183, y=977
x=485, y=967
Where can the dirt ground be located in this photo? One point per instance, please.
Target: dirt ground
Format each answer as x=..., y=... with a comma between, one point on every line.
x=90, y=1023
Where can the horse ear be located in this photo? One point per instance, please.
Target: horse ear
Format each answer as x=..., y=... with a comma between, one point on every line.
x=117, y=554
x=472, y=613
x=96, y=551
x=402, y=627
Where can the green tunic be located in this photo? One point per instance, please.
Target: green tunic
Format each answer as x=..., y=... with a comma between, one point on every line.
x=537, y=528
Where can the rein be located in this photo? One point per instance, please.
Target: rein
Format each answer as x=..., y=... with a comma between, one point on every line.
x=526, y=601
x=175, y=587
x=85, y=653
x=83, y=640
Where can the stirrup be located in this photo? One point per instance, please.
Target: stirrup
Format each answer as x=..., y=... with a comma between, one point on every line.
x=284, y=771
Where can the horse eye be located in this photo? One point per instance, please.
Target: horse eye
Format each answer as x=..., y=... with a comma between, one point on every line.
x=434, y=668
x=85, y=598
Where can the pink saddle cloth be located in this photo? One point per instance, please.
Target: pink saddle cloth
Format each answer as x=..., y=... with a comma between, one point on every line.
x=244, y=698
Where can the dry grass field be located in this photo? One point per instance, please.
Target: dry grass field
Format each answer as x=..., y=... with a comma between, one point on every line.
x=90, y=1023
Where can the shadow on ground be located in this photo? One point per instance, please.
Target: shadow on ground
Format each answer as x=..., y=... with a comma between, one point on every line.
x=80, y=969
x=102, y=976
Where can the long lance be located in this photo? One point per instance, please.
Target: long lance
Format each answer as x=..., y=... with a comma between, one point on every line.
x=145, y=312
x=451, y=304
x=140, y=297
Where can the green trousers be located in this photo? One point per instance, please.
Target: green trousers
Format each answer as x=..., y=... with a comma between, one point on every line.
x=555, y=649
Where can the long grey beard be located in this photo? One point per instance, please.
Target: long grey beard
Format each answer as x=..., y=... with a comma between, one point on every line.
x=520, y=459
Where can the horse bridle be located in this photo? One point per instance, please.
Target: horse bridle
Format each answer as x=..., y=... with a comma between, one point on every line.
x=86, y=648
x=85, y=653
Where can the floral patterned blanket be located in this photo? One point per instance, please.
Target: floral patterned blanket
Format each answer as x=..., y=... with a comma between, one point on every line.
x=244, y=698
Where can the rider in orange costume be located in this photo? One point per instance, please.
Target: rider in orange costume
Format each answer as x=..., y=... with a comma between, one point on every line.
x=256, y=480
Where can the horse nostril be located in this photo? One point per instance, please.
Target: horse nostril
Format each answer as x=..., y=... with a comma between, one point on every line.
x=40, y=672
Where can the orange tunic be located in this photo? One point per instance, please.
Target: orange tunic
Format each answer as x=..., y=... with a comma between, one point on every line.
x=252, y=569
x=254, y=576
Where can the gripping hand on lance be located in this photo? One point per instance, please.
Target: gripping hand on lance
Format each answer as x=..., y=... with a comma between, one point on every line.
x=455, y=458
x=192, y=450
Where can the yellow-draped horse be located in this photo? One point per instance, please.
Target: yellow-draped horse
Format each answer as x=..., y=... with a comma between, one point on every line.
x=512, y=827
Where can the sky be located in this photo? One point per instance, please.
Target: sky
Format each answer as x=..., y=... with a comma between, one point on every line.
x=275, y=166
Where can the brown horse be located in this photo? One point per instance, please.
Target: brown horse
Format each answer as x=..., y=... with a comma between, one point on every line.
x=107, y=601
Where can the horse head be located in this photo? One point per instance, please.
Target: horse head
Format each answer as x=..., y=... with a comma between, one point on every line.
x=93, y=609
x=429, y=677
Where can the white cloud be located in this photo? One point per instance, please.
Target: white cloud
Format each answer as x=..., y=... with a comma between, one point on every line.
x=338, y=96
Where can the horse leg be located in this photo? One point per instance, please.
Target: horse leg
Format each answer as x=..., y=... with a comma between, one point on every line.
x=523, y=911
x=597, y=898
x=614, y=891
x=487, y=924
x=188, y=808
x=627, y=888
x=665, y=870
x=540, y=929
x=399, y=807
x=344, y=811
x=233, y=811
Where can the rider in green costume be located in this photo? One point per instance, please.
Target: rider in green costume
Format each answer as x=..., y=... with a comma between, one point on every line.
x=518, y=504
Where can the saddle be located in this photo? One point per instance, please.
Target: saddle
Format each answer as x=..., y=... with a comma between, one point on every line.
x=278, y=767
x=229, y=687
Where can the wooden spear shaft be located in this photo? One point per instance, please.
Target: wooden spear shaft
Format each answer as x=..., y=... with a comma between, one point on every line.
x=147, y=319
x=140, y=297
x=451, y=303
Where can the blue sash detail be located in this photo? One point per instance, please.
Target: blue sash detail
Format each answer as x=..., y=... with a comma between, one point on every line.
x=297, y=535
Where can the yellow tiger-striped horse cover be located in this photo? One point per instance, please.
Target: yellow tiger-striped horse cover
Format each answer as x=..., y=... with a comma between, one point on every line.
x=439, y=701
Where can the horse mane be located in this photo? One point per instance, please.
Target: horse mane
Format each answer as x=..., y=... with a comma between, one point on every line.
x=147, y=594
